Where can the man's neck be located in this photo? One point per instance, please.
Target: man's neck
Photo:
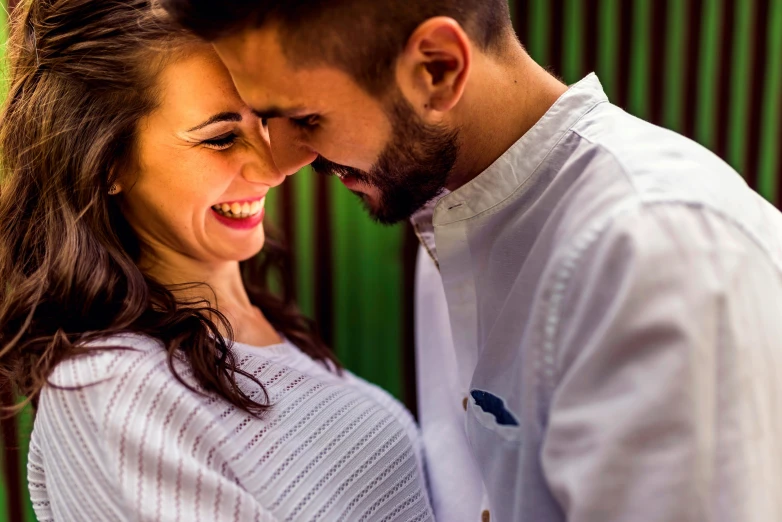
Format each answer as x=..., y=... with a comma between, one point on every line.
x=503, y=100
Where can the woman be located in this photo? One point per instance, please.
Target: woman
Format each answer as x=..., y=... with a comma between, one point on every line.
x=131, y=215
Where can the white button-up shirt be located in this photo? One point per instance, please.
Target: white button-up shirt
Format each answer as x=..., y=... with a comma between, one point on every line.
x=614, y=293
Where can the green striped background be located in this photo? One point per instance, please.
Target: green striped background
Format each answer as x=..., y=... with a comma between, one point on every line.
x=711, y=69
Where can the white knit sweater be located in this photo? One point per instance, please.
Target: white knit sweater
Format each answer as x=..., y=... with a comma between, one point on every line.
x=138, y=445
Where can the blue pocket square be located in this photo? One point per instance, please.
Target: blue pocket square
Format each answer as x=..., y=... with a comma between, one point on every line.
x=495, y=406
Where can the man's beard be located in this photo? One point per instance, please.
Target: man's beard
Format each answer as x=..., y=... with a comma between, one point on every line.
x=412, y=170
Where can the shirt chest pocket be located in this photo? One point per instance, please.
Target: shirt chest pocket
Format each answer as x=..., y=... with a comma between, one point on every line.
x=488, y=418
x=495, y=437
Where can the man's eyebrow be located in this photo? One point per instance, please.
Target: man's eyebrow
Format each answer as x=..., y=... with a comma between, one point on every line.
x=277, y=112
x=223, y=116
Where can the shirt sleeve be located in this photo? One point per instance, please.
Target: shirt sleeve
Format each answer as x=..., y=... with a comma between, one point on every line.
x=666, y=405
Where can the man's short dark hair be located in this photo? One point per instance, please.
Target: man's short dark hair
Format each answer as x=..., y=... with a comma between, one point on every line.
x=362, y=37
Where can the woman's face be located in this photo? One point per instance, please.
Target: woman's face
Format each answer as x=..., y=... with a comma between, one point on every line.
x=204, y=169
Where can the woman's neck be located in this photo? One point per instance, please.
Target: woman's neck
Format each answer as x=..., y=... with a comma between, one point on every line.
x=220, y=285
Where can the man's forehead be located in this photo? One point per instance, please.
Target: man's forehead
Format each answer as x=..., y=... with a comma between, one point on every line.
x=260, y=70
x=252, y=52
x=269, y=83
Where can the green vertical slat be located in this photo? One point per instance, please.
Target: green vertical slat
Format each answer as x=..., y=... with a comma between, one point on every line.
x=273, y=207
x=380, y=275
x=304, y=239
x=344, y=244
x=367, y=293
x=538, y=30
x=674, y=56
x=638, y=95
x=740, y=67
x=770, y=159
x=607, y=48
x=574, y=41
x=707, y=74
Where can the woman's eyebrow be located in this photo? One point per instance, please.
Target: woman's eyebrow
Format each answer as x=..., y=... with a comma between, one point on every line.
x=223, y=116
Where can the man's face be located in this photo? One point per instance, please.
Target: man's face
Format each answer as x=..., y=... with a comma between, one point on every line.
x=381, y=149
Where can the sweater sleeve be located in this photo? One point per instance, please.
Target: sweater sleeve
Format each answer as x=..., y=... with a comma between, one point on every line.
x=36, y=482
x=150, y=449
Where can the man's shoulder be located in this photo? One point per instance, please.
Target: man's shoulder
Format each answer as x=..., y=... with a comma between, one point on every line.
x=658, y=163
x=625, y=163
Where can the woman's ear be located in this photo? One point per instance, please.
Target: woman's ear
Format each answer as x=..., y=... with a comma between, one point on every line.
x=434, y=67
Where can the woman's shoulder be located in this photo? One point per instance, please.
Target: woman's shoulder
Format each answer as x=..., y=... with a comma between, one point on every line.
x=106, y=359
x=136, y=432
x=118, y=376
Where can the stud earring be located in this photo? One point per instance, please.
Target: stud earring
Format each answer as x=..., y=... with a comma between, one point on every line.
x=113, y=189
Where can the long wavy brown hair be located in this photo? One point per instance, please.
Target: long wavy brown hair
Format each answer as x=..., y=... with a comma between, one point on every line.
x=82, y=75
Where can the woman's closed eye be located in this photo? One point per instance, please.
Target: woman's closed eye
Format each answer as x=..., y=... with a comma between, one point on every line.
x=222, y=142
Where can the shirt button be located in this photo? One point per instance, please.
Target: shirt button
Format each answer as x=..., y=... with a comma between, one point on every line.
x=464, y=403
x=486, y=516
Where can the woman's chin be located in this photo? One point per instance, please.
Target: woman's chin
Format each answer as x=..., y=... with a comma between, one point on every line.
x=245, y=251
x=233, y=249
x=235, y=244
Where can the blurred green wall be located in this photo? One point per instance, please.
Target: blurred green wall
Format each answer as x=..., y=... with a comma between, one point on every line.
x=711, y=69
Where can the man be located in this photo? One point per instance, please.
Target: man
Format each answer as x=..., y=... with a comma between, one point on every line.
x=613, y=289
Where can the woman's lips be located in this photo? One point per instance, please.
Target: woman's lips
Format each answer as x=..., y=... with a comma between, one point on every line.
x=240, y=214
x=240, y=223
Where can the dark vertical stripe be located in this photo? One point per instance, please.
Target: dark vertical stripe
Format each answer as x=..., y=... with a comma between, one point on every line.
x=324, y=291
x=724, y=89
x=556, y=36
x=11, y=458
x=760, y=55
x=658, y=65
x=625, y=52
x=409, y=256
x=691, y=67
x=288, y=229
x=591, y=34
x=521, y=19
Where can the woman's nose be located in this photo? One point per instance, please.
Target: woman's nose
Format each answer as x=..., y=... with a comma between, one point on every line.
x=289, y=154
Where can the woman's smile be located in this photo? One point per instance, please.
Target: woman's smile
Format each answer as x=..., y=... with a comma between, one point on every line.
x=244, y=214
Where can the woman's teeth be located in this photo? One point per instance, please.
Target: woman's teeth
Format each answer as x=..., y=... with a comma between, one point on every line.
x=240, y=210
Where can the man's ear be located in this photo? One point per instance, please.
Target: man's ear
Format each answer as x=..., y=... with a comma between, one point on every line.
x=434, y=67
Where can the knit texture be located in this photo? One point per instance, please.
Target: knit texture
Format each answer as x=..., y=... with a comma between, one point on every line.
x=136, y=444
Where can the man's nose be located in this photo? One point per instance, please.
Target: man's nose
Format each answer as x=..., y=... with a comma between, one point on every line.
x=260, y=166
x=288, y=151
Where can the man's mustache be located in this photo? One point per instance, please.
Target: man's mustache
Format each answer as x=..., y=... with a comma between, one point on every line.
x=328, y=168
